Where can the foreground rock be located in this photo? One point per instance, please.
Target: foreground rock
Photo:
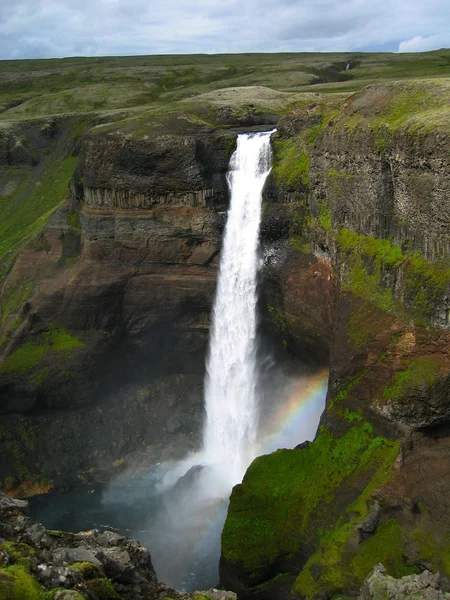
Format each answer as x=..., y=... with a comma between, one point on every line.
x=379, y=586
x=36, y=564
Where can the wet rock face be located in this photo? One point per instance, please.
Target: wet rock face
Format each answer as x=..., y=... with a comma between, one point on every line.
x=300, y=293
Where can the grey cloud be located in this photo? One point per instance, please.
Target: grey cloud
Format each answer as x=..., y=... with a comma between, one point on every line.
x=44, y=28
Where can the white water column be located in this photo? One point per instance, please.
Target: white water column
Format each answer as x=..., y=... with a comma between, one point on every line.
x=232, y=373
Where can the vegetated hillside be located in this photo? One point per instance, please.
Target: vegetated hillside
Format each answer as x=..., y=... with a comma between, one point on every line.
x=38, y=153
x=30, y=88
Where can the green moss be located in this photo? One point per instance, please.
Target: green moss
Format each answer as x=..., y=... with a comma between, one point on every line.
x=231, y=147
x=13, y=298
x=87, y=570
x=24, y=359
x=378, y=249
x=30, y=355
x=17, y=584
x=102, y=589
x=367, y=258
x=420, y=372
x=281, y=322
x=300, y=224
x=436, y=554
x=365, y=323
x=325, y=216
x=339, y=560
x=21, y=554
x=63, y=341
x=15, y=450
x=350, y=416
x=313, y=134
x=40, y=376
x=348, y=388
x=387, y=547
x=73, y=221
x=381, y=138
x=273, y=508
x=291, y=162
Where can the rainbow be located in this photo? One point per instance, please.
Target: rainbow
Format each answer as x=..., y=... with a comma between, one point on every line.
x=296, y=419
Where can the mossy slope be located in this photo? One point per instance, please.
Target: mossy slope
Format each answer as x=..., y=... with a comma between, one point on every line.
x=290, y=501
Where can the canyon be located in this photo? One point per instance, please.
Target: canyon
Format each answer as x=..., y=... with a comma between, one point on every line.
x=105, y=315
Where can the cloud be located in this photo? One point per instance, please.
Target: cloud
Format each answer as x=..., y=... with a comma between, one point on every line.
x=50, y=28
x=422, y=44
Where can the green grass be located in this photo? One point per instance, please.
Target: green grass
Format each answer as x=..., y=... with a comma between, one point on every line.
x=19, y=221
x=30, y=88
x=417, y=106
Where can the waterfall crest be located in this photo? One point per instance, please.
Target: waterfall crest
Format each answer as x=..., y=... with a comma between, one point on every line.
x=231, y=380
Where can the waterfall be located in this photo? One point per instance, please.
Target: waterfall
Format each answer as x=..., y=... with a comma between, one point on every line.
x=232, y=374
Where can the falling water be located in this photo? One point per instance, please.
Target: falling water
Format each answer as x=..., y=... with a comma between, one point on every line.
x=231, y=380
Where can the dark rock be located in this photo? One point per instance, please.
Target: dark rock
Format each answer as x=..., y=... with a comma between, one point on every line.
x=215, y=594
x=37, y=535
x=378, y=586
x=80, y=554
x=117, y=564
x=367, y=527
x=8, y=504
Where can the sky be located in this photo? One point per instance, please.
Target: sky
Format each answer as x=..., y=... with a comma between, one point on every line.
x=57, y=28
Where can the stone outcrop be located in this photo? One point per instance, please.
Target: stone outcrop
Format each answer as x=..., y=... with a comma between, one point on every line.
x=426, y=585
x=36, y=564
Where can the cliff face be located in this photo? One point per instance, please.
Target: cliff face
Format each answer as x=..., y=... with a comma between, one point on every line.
x=117, y=289
x=367, y=187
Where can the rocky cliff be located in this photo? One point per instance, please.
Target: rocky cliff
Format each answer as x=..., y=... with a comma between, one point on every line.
x=118, y=286
x=116, y=289
x=368, y=187
x=37, y=564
